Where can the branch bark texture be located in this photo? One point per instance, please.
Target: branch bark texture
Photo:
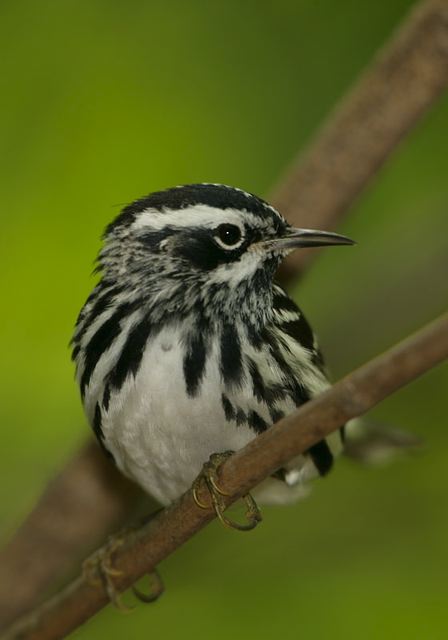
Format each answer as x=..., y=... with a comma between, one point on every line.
x=403, y=81
x=143, y=550
x=86, y=500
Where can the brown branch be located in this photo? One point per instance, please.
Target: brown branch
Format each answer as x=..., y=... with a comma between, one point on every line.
x=79, y=506
x=402, y=83
x=144, y=549
x=404, y=80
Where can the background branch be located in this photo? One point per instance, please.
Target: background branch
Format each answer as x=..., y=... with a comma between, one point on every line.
x=143, y=549
x=403, y=81
x=401, y=84
x=86, y=500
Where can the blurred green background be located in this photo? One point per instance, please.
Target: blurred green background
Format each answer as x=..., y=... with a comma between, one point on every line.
x=106, y=101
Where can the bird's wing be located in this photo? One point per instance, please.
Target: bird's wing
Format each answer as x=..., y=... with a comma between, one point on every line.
x=300, y=350
x=290, y=320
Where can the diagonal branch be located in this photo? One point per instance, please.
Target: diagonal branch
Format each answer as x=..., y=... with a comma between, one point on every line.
x=144, y=549
x=402, y=83
x=88, y=499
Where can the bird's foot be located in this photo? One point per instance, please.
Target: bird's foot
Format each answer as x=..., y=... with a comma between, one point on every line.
x=98, y=570
x=157, y=589
x=209, y=476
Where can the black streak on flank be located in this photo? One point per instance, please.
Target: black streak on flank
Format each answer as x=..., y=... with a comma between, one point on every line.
x=295, y=390
x=282, y=302
x=276, y=414
x=131, y=355
x=194, y=362
x=98, y=430
x=106, y=397
x=75, y=352
x=103, y=295
x=102, y=339
x=256, y=338
x=241, y=417
x=257, y=381
x=101, y=303
x=322, y=457
x=229, y=411
x=302, y=333
x=268, y=394
x=317, y=359
x=97, y=423
x=257, y=423
x=231, y=363
x=300, y=330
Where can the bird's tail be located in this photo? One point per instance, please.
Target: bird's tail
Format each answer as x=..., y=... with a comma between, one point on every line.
x=376, y=444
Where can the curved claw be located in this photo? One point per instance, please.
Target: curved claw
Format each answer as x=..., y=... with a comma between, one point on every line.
x=157, y=589
x=195, y=489
x=98, y=570
x=253, y=514
x=209, y=475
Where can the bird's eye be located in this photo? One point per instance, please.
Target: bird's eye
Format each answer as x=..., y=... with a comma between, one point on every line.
x=228, y=236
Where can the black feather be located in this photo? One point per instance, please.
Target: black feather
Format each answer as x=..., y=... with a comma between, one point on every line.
x=231, y=362
x=102, y=339
x=194, y=360
x=131, y=355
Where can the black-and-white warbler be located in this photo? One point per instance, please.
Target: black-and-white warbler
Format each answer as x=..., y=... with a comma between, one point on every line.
x=187, y=347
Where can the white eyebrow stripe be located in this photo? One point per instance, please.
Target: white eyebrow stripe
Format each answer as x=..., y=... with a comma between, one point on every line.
x=199, y=215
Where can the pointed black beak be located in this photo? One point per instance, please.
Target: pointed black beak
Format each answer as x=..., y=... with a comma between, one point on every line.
x=296, y=238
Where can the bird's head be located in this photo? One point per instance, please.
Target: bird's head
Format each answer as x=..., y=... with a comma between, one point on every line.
x=205, y=241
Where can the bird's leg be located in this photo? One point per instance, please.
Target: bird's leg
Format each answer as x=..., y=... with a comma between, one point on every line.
x=98, y=570
x=209, y=475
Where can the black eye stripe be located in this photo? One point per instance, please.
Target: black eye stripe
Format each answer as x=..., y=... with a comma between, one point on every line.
x=228, y=234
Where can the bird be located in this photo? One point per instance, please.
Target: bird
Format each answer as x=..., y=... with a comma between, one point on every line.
x=187, y=348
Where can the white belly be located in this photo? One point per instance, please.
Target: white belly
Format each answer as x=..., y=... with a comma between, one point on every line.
x=159, y=436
